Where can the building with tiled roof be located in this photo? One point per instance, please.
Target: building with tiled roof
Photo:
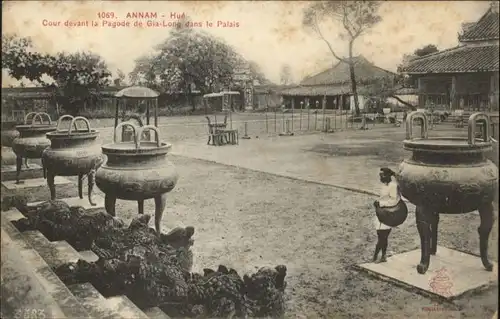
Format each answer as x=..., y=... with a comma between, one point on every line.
x=334, y=85
x=464, y=77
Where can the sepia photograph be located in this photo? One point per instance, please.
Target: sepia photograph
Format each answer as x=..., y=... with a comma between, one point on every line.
x=249, y=159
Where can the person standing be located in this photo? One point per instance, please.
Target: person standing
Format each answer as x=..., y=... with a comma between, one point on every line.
x=389, y=197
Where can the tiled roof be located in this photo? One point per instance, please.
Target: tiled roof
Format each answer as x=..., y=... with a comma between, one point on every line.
x=457, y=60
x=363, y=69
x=484, y=29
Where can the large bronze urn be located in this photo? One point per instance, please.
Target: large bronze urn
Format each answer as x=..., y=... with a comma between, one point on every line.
x=32, y=140
x=449, y=176
x=137, y=170
x=73, y=152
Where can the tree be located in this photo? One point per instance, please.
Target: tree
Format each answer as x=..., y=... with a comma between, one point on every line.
x=286, y=74
x=76, y=77
x=256, y=73
x=356, y=19
x=120, y=78
x=189, y=59
x=428, y=49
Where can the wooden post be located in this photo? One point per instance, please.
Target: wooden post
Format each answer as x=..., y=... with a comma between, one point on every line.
x=323, y=106
x=453, y=93
x=117, y=111
x=156, y=112
x=293, y=108
x=493, y=93
x=421, y=93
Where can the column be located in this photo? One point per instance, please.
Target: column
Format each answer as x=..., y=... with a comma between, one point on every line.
x=421, y=93
x=453, y=93
x=494, y=92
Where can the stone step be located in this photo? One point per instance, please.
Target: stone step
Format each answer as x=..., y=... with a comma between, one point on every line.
x=54, y=253
x=93, y=301
x=13, y=233
x=83, y=202
x=156, y=313
x=21, y=289
x=12, y=214
x=33, y=171
x=125, y=307
x=39, y=272
x=100, y=307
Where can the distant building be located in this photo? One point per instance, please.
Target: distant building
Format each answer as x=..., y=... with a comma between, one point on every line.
x=465, y=77
x=334, y=86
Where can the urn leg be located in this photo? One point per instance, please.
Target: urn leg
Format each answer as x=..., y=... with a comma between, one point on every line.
x=109, y=204
x=80, y=185
x=91, y=183
x=51, y=183
x=140, y=206
x=434, y=232
x=424, y=220
x=160, y=204
x=19, y=164
x=486, y=214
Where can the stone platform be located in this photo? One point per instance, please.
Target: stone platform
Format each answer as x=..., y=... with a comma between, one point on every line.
x=9, y=172
x=34, y=182
x=451, y=273
x=83, y=202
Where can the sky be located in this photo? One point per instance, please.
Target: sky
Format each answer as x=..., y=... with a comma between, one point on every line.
x=269, y=32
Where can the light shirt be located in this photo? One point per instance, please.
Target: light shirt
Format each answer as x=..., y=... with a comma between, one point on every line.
x=389, y=194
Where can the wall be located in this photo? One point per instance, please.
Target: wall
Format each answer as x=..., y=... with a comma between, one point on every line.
x=472, y=91
x=262, y=100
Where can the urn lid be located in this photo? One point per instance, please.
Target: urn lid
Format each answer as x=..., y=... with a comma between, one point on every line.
x=30, y=124
x=473, y=143
x=140, y=145
x=73, y=131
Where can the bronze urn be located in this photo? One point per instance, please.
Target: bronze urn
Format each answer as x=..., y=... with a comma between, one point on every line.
x=449, y=176
x=32, y=140
x=137, y=170
x=72, y=152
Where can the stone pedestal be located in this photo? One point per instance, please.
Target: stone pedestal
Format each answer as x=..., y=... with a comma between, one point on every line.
x=32, y=183
x=450, y=275
x=9, y=172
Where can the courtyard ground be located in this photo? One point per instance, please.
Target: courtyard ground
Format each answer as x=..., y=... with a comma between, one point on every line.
x=247, y=219
x=247, y=216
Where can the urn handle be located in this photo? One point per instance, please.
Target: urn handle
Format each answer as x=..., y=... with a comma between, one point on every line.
x=141, y=130
x=59, y=121
x=474, y=119
x=26, y=118
x=409, y=124
x=39, y=116
x=134, y=128
x=73, y=123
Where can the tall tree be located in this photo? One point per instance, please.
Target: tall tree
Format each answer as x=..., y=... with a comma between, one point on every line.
x=77, y=77
x=356, y=19
x=286, y=74
x=189, y=59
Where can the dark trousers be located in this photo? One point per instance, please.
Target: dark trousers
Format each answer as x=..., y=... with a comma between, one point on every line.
x=382, y=242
